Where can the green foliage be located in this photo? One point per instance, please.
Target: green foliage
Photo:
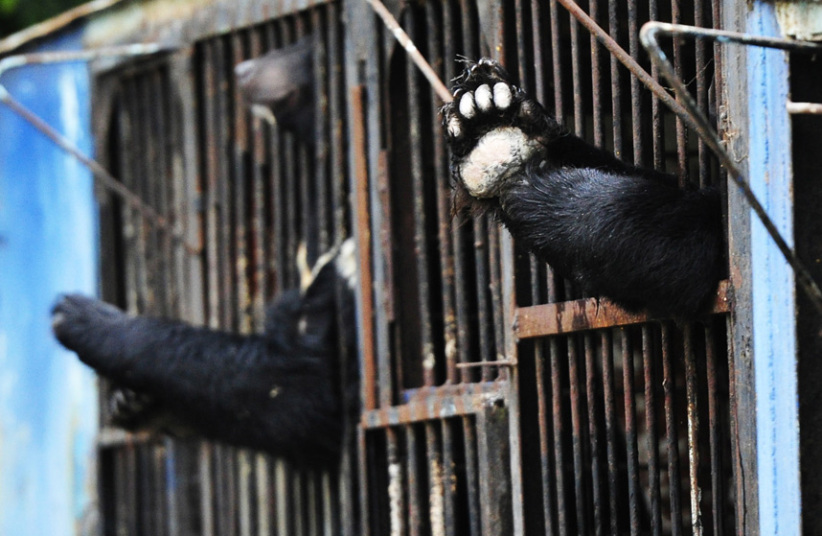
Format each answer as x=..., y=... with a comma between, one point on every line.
x=16, y=15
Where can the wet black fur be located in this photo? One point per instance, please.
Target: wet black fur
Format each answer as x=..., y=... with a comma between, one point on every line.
x=279, y=391
x=627, y=233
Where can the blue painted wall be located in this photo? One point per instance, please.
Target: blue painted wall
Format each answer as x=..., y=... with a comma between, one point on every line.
x=48, y=237
x=774, y=301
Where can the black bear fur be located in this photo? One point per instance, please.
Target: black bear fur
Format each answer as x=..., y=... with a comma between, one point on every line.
x=623, y=232
x=279, y=391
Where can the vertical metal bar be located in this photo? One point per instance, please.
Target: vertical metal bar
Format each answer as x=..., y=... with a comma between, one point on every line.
x=657, y=121
x=715, y=449
x=594, y=432
x=616, y=101
x=576, y=435
x=652, y=442
x=415, y=508
x=693, y=429
x=207, y=487
x=436, y=484
x=226, y=259
x=556, y=51
x=576, y=79
x=596, y=80
x=634, y=490
x=559, y=432
x=262, y=470
x=701, y=89
x=636, y=103
x=434, y=21
x=449, y=479
x=671, y=434
x=681, y=134
x=322, y=206
x=546, y=439
x=245, y=509
x=398, y=500
x=428, y=357
x=609, y=403
x=210, y=153
x=472, y=476
x=283, y=492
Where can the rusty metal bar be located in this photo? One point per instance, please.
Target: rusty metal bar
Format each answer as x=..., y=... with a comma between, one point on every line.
x=609, y=404
x=632, y=462
x=636, y=103
x=546, y=438
x=590, y=313
x=616, y=103
x=261, y=247
x=681, y=133
x=693, y=429
x=596, y=82
x=714, y=446
x=451, y=347
x=652, y=441
x=459, y=400
x=451, y=481
x=702, y=90
x=472, y=474
x=594, y=432
x=428, y=357
x=416, y=505
x=559, y=434
x=577, y=439
x=579, y=112
x=671, y=430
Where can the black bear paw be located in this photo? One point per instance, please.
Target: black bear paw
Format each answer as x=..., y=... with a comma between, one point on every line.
x=492, y=127
x=74, y=316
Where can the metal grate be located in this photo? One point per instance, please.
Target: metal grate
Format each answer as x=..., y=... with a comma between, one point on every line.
x=496, y=398
x=242, y=195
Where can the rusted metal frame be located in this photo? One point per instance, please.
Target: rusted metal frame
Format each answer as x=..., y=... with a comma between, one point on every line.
x=671, y=429
x=434, y=23
x=631, y=454
x=428, y=356
x=701, y=125
x=714, y=431
x=591, y=313
x=493, y=464
x=649, y=356
x=559, y=437
x=594, y=432
x=577, y=435
x=469, y=433
x=241, y=177
x=437, y=403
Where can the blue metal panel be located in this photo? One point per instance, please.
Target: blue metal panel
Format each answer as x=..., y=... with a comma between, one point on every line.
x=48, y=236
x=774, y=304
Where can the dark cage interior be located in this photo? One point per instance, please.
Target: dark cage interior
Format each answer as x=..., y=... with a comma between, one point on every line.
x=474, y=422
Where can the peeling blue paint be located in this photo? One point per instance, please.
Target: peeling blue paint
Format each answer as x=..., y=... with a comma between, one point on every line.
x=48, y=236
x=774, y=304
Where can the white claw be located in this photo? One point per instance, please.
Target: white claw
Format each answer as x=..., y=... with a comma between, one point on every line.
x=454, y=127
x=482, y=95
x=502, y=95
x=467, y=106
